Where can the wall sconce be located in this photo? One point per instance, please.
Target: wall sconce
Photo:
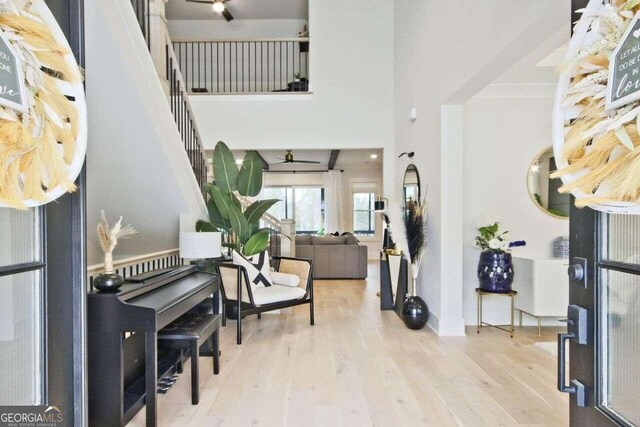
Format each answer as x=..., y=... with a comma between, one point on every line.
x=379, y=204
x=408, y=154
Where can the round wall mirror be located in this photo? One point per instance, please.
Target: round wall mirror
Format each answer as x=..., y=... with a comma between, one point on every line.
x=543, y=189
x=411, y=186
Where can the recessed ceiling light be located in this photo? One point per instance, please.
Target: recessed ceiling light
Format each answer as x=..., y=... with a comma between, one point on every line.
x=374, y=156
x=218, y=7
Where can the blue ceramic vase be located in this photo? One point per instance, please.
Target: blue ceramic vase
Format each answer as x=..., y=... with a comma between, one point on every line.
x=495, y=272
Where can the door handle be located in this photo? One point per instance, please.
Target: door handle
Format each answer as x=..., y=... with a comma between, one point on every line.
x=575, y=387
x=577, y=271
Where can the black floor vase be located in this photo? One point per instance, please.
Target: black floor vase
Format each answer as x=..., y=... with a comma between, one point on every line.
x=415, y=312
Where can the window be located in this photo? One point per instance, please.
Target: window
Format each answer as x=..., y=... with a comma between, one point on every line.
x=21, y=307
x=305, y=205
x=364, y=217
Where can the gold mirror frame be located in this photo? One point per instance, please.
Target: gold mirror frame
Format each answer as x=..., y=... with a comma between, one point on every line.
x=532, y=166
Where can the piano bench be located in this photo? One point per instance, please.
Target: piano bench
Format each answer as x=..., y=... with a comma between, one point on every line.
x=189, y=332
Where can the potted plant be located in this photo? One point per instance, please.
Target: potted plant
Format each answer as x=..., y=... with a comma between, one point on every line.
x=299, y=84
x=495, y=267
x=240, y=225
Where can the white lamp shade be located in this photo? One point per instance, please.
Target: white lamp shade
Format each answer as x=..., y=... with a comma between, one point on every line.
x=194, y=245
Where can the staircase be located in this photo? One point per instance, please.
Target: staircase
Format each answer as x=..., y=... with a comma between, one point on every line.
x=145, y=157
x=178, y=96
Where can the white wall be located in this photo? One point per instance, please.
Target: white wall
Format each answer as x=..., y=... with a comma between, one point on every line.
x=502, y=136
x=444, y=53
x=351, y=74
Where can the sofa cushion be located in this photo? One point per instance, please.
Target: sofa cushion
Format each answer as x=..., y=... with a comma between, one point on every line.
x=305, y=251
x=303, y=239
x=277, y=293
x=337, y=240
x=258, y=268
x=285, y=279
x=351, y=240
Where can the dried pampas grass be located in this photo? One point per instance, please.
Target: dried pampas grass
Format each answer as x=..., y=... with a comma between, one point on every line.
x=37, y=147
x=398, y=232
x=409, y=232
x=109, y=236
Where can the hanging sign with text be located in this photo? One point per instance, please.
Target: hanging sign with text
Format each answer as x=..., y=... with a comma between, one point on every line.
x=12, y=90
x=624, y=68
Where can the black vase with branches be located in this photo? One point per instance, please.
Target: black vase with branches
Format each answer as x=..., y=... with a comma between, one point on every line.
x=415, y=312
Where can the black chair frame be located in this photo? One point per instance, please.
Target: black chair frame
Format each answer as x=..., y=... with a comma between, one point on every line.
x=250, y=308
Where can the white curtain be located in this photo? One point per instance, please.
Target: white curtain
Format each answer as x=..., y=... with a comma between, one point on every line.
x=334, y=202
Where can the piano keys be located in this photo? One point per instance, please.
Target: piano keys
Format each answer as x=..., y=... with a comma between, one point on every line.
x=123, y=373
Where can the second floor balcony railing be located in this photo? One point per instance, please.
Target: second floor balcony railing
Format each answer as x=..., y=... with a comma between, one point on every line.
x=244, y=66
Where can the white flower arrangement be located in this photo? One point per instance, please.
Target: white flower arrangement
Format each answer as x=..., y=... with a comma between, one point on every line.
x=491, y=239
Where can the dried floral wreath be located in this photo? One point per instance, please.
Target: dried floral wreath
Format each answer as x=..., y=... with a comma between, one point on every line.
x=37, y=146
x=600, y=148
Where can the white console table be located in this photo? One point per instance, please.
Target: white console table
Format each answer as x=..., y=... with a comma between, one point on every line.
x=542, y=285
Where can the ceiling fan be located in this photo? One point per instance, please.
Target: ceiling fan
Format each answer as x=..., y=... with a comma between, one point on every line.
x=219, y=6
x=288, y=158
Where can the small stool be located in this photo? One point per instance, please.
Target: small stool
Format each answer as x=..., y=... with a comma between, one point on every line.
x=511, y=294
x=189, y=332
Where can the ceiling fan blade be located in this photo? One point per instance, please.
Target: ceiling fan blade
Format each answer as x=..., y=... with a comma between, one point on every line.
x=227, y=15
x=313, y=162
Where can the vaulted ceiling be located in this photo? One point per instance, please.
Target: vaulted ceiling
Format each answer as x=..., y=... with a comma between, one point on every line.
x=241, y=9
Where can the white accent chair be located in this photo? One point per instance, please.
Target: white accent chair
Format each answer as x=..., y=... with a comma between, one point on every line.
x=236, y=290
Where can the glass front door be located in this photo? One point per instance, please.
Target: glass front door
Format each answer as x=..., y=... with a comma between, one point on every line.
x=619, y=318
x=21, y=307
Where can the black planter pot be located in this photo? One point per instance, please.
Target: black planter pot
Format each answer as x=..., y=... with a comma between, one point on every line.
x=301, y=85
x=108, y=282
x=415, y=312
x=495, y=272
x=231, y=311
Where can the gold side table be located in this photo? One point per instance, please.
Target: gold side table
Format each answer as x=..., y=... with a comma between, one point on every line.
x=512, y=294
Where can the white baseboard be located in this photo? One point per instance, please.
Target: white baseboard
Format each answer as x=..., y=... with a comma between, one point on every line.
x=447, y=327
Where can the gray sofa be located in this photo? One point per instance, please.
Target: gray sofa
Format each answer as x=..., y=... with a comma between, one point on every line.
x=340, y=257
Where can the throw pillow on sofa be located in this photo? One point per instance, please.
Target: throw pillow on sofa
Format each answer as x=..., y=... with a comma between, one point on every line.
x=351, y=240
x=258, y=268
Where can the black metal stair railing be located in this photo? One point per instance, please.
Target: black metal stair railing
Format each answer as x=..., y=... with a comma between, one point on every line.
x=244, y=66
x=178, y=100
x=141, y=9
x=185, y=120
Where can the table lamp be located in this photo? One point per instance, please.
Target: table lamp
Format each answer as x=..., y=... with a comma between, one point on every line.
x=200, y=247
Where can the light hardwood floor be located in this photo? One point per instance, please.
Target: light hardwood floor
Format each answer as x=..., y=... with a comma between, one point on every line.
x=359, y=366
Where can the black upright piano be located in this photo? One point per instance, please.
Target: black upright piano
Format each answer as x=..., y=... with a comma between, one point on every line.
x=123, y=359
